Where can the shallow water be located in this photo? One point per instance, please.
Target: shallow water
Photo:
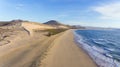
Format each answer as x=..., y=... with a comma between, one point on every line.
x=102, y=45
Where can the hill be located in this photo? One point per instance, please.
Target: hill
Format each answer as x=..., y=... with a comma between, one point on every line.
x=56, y=24
x=11, y=23
x=53, y=22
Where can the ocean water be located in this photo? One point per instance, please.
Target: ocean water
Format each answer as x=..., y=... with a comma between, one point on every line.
x=103, y=46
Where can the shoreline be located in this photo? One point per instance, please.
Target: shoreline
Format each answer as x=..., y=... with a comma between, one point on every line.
x=100, y=59
x=66, y=53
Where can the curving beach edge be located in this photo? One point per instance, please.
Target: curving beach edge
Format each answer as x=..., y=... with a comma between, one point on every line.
x=65, y=53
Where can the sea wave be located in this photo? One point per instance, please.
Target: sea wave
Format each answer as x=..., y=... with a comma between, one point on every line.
x=99, y=55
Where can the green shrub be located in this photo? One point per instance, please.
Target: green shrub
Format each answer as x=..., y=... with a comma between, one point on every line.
x=54, y=31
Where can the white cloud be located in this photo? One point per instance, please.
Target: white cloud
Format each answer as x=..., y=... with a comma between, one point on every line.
x=109, y=11
x=19, y=6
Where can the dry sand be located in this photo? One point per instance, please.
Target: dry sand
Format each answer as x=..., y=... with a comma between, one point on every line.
x=65, y=53
x=32, y=26
x=26, y=51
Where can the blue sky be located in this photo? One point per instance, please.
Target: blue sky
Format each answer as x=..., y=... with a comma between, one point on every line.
x=102, y=13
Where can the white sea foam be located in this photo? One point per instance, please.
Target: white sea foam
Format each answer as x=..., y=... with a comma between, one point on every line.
x=96, y=54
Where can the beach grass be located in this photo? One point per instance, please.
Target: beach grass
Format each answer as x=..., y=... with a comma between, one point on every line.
x=50, y=32
x=54, y=31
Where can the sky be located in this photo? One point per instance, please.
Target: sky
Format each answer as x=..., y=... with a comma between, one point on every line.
x=98, y=13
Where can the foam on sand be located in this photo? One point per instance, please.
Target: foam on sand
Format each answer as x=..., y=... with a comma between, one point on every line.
x=96, y=53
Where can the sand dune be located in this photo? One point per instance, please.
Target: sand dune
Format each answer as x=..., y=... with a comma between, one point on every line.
x=27, y=51
x=30, y=26
x=22, y=52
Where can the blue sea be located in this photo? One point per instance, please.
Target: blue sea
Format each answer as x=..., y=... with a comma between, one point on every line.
x=103, y=46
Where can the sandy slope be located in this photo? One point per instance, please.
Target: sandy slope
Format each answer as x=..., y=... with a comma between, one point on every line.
x=30, y=26
x=21, y=52
x=25, y=51
x=65, y=53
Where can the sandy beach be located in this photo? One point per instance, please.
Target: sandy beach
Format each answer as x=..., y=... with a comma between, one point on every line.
x=65, y=53
x=39, y=50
